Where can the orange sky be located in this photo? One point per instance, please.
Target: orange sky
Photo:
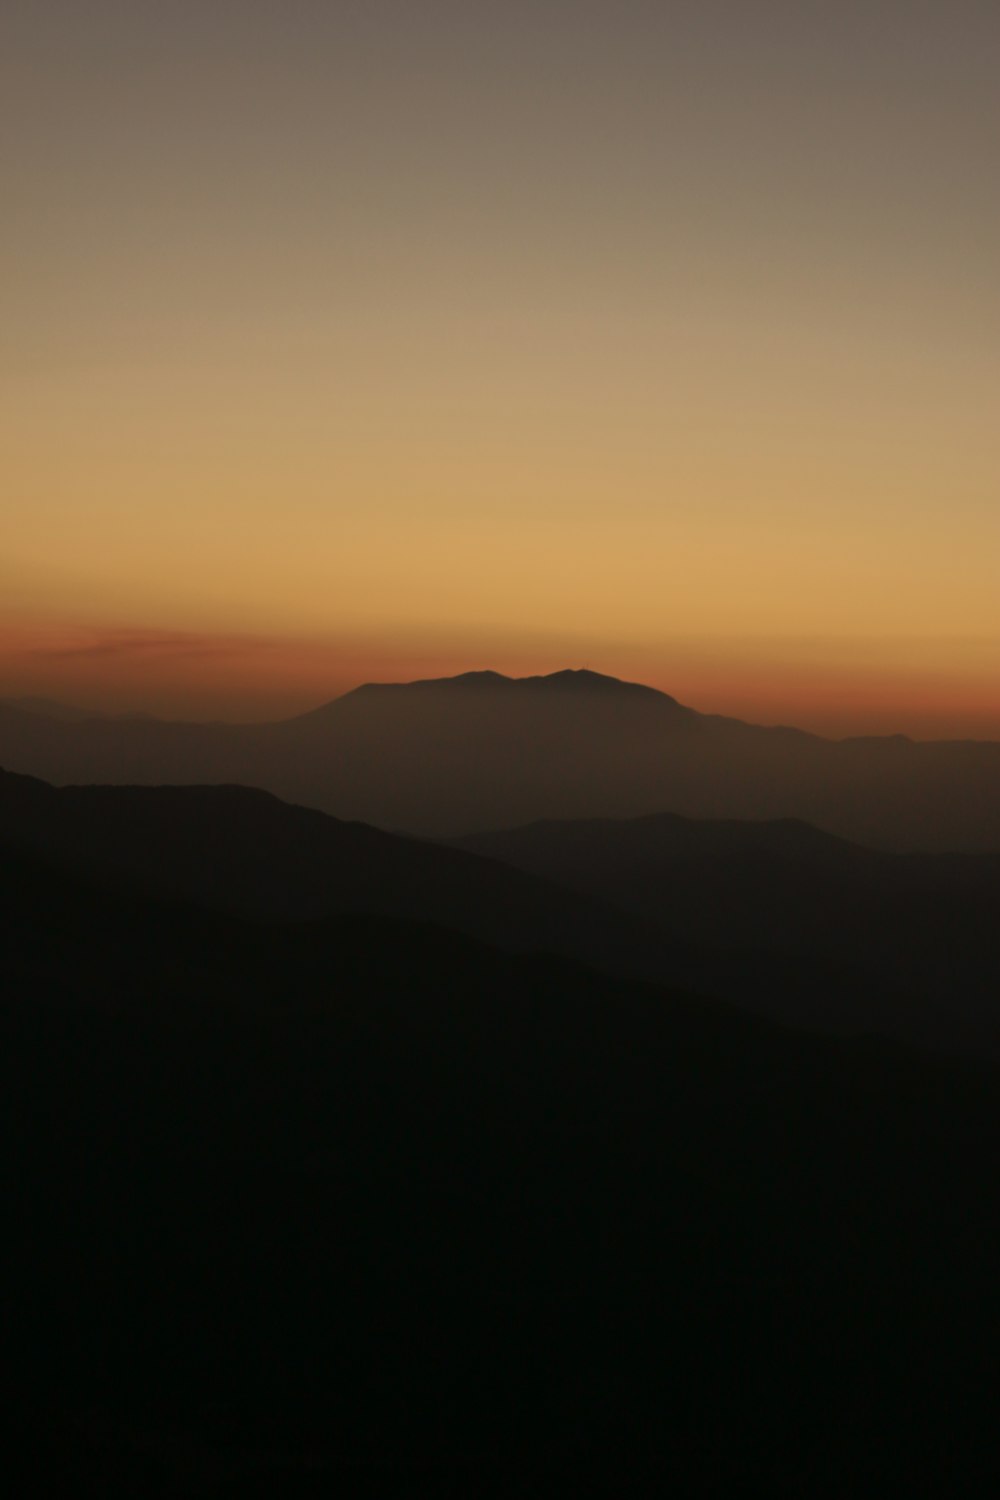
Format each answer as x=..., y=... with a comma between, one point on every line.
x=929, y=688
x=385, y=340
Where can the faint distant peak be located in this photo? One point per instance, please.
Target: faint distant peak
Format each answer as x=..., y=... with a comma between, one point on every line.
x=463, y=682
x=48, y=708
x=569, y=680
x=582, y=679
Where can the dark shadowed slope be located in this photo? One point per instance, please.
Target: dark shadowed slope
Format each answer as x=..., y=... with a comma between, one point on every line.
x=366, y=1209
x=925, y=927
x=243, y=851
x=455, y=756
x=783, y=921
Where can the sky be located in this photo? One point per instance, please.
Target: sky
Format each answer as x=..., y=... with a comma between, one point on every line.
x=348, y=341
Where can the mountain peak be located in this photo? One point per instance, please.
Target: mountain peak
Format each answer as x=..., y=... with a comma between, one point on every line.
x=582, y=679
x=576, y=681
x=571, y=679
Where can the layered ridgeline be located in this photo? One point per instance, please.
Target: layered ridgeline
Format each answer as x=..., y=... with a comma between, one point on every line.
x=846, y=935
x=776, y=918
x=481, y=751
x=240, y=851
x=364, y=1207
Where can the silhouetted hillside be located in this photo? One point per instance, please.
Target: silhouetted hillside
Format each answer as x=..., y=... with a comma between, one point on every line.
x=455, y=756
x=779, y=919
x=923, y=928
x=361, y=1207
x=242, y=851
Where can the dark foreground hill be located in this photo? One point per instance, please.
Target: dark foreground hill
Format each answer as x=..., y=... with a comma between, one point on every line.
x=244, y=852
x=917, y=934
x=462, y=754
x=364, y=1208
x=777, y=918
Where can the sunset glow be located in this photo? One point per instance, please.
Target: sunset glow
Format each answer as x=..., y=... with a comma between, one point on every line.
x=382, y=341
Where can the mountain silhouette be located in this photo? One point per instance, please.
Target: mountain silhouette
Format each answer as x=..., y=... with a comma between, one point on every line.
x=448, y=757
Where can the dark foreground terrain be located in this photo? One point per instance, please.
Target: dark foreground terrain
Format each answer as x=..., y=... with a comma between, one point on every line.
x=776, y=917
x=364, y=1207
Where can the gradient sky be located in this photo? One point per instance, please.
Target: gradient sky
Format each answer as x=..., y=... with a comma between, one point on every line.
x=380, y=339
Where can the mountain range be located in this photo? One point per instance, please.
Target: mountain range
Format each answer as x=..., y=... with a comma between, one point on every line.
x=461, y=755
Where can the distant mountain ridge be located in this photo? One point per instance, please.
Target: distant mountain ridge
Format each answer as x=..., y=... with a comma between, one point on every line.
x=486, y=683
x=453, y=756
x=49, y=708
x=569, y=679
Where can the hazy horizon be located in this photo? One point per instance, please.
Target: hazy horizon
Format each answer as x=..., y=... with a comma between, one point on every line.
x=880, y=721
